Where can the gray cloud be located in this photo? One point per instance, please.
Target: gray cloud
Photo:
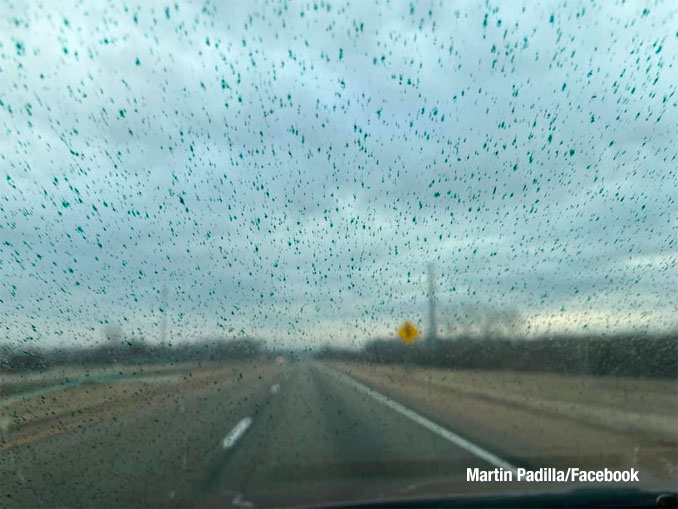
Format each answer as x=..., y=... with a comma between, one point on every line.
x=287, y=170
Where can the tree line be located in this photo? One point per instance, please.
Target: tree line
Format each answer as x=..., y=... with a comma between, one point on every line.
x=645, y=355
x=130, y=351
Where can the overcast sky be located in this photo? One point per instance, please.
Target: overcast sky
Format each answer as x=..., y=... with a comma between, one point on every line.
x=287, y=170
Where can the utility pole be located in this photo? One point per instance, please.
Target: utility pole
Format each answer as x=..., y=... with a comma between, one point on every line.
x=433, y=328
x=163, y=318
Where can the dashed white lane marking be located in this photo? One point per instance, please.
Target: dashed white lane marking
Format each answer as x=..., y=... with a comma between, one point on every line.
x=275, y=388
x=237, y=432
x=428, y=424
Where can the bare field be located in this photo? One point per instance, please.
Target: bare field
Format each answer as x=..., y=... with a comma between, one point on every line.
x=544, y=419
x=622, y=403
x=26, y=419
x=13, y=383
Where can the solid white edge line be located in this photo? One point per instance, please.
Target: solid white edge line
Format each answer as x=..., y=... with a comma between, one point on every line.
x=428, y=424
x=235, y=434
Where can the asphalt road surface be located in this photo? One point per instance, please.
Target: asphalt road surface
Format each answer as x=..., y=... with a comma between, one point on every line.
x=294, y=434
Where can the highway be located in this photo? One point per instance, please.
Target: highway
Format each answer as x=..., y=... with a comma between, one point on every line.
x=263, y=434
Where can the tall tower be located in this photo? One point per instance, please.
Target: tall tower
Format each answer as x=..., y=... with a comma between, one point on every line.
x=432, y=326
x=163, y=319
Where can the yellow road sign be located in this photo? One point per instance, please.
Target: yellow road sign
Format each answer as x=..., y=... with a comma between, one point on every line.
x=408, y=332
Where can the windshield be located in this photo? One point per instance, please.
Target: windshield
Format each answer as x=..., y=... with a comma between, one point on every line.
x=268, y=253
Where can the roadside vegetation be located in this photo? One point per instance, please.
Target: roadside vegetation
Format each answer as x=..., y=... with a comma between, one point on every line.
x=130, y=351
x=645, y=355
x=619, y=355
